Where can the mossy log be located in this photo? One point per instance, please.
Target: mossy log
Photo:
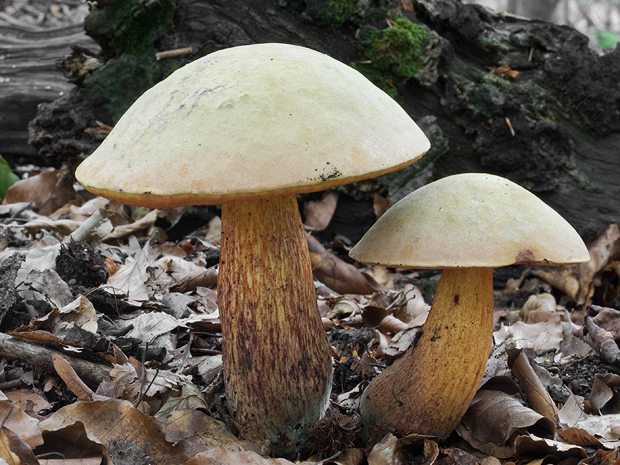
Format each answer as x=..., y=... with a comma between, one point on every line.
x=519, y=98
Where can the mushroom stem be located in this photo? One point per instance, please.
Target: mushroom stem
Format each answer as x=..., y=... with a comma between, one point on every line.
x=277, y=362
x=429, y=389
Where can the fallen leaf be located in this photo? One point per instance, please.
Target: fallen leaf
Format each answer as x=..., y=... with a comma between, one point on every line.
x=72, y=380
x=538, y=336
x=49, y=191
x=125, y=230
x=577, y=281
x=104, y=422
x=579, y=437
x=31, y=403
x=318, y=214
x=335, y=273
x=14, y=450
x=378, y=316
x=533, y=388
x=131, y=278
x=24, y=426
x=495, y=418
x=391, y=450
x=528, y=447
x=603, y=342
x=605, y=396
x=200, y=428
x=222, y=456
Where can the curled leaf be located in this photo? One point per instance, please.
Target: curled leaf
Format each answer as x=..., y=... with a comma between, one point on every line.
x=533, y=388
x=495, y=418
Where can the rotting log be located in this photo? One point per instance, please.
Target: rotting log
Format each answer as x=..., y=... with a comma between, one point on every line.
x=519, y=98
x=29, y=76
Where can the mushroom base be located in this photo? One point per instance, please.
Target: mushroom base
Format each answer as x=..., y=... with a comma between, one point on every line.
x=429, y=389
x=277, y=362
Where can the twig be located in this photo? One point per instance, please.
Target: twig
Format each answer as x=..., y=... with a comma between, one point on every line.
x=7, y=416
x=173, y=53
x=14, y=348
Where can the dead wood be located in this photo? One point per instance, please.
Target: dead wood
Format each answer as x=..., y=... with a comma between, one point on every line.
x=41, y=357
x=29, y=76
x=524, y=99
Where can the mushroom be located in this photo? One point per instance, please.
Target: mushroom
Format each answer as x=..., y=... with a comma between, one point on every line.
x=467, y=225
x=250, y=127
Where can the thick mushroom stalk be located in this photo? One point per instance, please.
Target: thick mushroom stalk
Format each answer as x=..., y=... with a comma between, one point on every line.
x=277, y=360
x=429, y=389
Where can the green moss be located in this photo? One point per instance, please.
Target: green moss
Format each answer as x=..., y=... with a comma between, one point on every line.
x=109, y=92
x=583, y=182
x=131, y=26
x=330, y=11
x=391, y=55
x=342, y=9
x=127, y=30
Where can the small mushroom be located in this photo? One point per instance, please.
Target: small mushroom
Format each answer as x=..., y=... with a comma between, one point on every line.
x=467, y=225
x=250, y=127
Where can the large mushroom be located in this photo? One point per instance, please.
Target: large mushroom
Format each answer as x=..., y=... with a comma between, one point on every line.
x=250, y=127
x=467, y=225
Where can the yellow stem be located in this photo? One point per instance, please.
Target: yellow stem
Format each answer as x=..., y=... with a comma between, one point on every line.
x=429, y=389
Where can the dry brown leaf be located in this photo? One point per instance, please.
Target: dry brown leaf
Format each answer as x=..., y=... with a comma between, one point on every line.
x=339, y=276
x=31, y=403
x=606, y=318
x=579, y=437
x=49, y=191
x=72, y=380
x=23, y=425
x=454, y=456
x=605, y=428
x=605, y=396
x=577, y=281
x=116, y=420
x=378, y=316
x=318, y=214
x=603, y=342
x=533, y=388
x=534, y=447
x=187, y=276
x=132, y=277
x=540, y=307
x=391, y=450
x=407, y=5
x=199, y=427
x=222, y=456
x=14, y=450
x=494, y=418
x=125, y=230
x=381, y=204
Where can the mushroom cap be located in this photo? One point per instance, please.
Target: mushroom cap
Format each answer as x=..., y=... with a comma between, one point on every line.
x=252, y=121
x=470, y=220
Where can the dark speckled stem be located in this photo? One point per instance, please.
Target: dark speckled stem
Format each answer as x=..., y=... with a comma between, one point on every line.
x=277, y=360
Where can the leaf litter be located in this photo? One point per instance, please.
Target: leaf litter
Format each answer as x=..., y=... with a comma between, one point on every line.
x=141, y=319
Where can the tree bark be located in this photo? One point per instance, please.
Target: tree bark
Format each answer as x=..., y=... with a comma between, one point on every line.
x=29, y=76
x=524, y=99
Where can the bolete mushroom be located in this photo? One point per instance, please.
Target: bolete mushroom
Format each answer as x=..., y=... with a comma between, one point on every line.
x=467, y=225
x=250, y=127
